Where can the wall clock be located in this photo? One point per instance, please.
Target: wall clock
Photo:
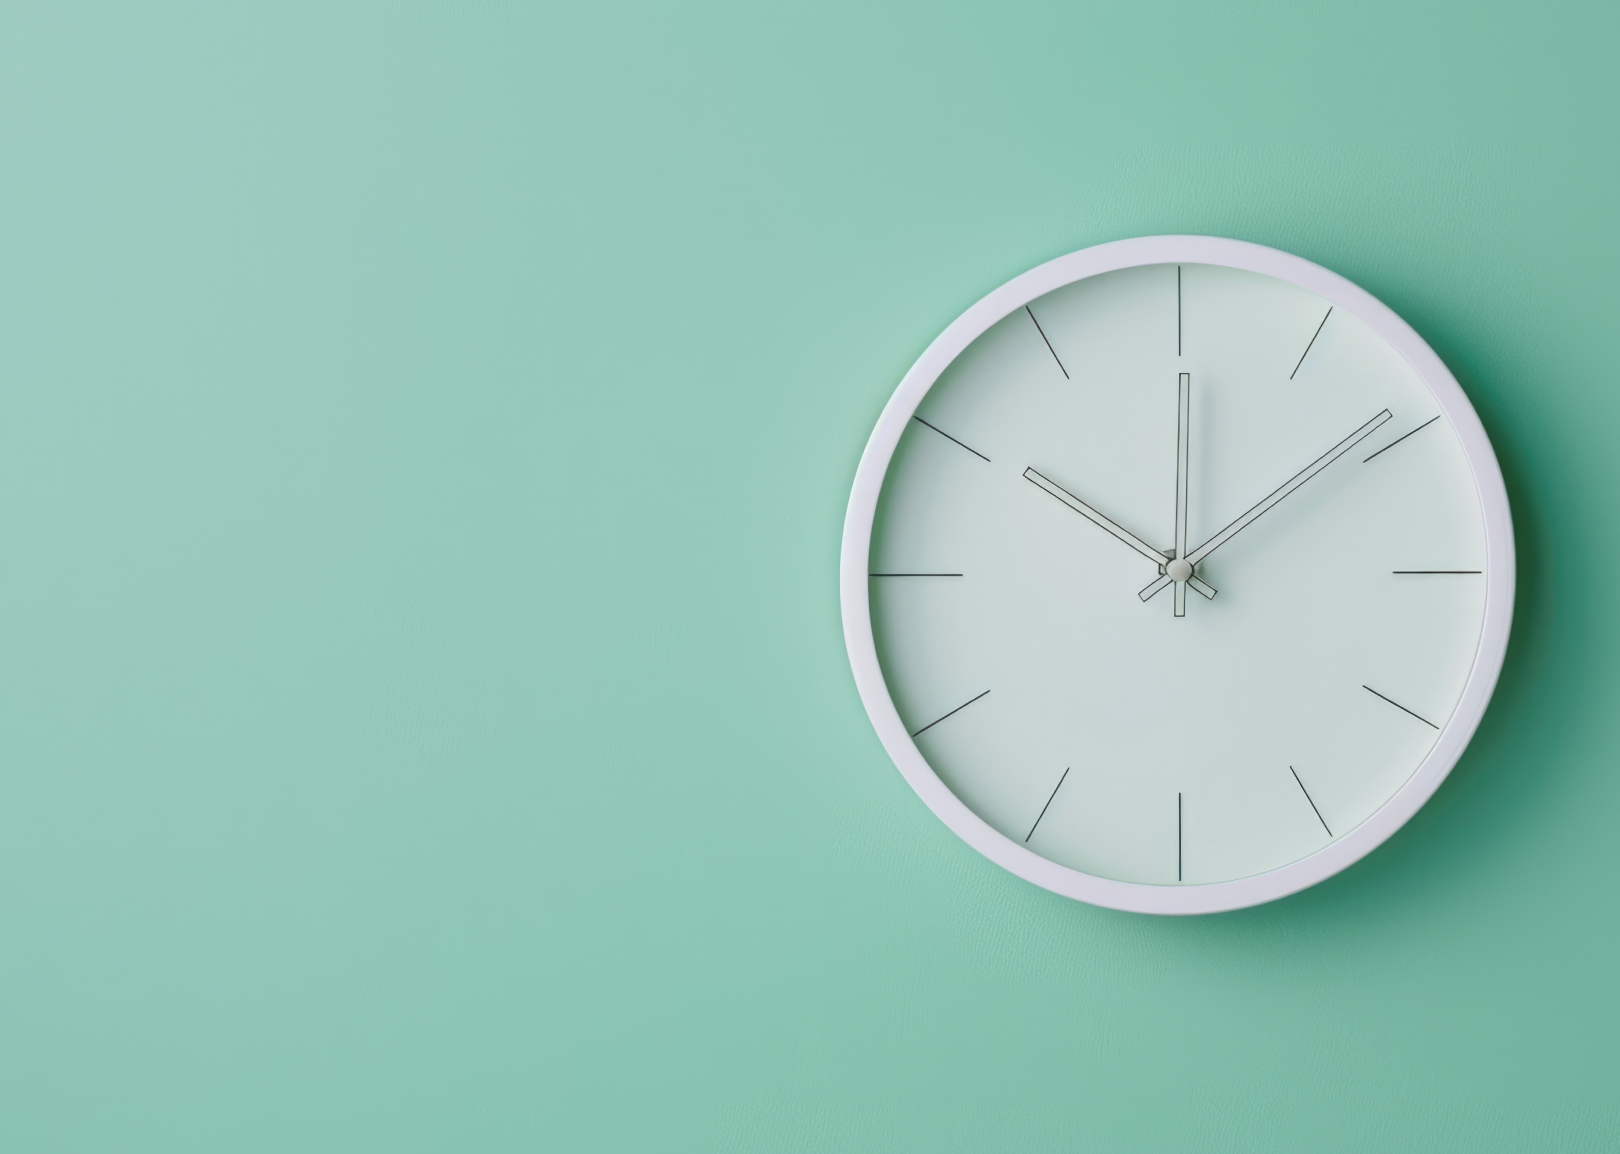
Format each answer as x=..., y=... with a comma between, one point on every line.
x=1177, y=574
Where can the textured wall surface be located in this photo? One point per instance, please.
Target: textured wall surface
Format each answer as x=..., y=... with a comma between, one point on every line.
x=424, y=437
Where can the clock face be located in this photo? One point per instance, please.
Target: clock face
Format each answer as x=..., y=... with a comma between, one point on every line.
x=1176, y=575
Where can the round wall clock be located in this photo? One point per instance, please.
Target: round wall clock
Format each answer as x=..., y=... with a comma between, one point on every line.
x=1177, y=574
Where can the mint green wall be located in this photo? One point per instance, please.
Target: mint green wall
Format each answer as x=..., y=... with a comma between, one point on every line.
x=424, y=438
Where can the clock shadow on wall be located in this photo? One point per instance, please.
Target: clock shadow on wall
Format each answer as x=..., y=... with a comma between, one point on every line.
x=1486, y=803
x=1454, y=838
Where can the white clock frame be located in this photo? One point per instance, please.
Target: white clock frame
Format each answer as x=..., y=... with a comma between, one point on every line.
x=1454, y=737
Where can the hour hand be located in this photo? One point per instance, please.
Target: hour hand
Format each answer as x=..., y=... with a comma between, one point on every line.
x=1097, y=518
x=1113, y=528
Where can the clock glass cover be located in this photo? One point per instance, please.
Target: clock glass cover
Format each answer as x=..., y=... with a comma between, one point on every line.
x=1177, y=573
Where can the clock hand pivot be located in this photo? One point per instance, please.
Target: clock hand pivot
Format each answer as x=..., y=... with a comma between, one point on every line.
x=1178, y=570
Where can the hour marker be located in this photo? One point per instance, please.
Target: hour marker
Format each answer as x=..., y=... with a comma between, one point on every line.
x=1400, y=707
x=1178, y=837
x=1049, y=347
x=1307, y=351
x=1307, y=794
x=958, y=709
x=1423, y=572
x=952, y=439
x=1403, y=436
x=1047, y=806
x=1178, y=310
x=913, y=574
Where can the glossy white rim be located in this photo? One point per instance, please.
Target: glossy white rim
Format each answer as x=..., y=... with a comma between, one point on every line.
x=1215, y=896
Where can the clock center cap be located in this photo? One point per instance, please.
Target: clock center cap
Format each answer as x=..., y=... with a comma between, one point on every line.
x=1178, y=570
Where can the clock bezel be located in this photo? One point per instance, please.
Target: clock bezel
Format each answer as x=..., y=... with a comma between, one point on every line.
x=1191, y=898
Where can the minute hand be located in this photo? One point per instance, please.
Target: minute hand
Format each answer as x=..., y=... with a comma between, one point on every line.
x=1286, y=488
x=1277, y=495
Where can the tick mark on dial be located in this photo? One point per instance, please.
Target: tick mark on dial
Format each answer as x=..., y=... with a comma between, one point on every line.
x=1178, y=837
x=952, y=439
x=1419, y=572
x=1400, y=707
x=1403, y=436
x=1178, y=310
x=957, y=710
x=1049, y=347
x=1307, y=351
x=913, y=574
x=1048, y=805
x=1307, y=794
